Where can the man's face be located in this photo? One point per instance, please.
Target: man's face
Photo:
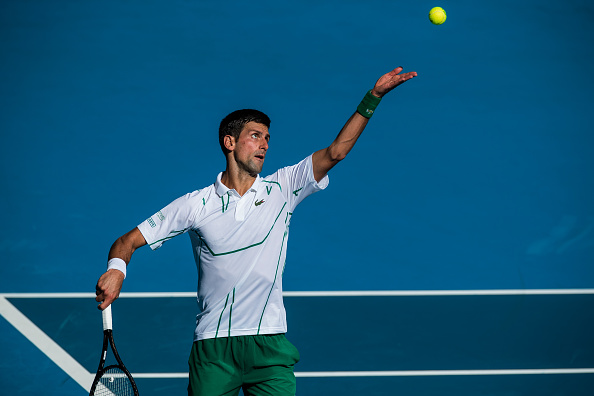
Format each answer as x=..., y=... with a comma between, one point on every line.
x=250, y=148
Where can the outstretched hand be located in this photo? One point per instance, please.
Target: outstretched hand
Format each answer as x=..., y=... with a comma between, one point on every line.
x=391, y=80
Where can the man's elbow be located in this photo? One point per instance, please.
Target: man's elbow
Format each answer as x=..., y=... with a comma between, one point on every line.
x=129, y=241
x=335, y=155
x=120, y=242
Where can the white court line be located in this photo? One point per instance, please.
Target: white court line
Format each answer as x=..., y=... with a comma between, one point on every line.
x=435, y=373
x=415, y=373
x=346, y=293
x=412, y=293
x=45, y=344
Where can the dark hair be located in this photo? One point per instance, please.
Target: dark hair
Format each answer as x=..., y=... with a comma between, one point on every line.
x=234, y=123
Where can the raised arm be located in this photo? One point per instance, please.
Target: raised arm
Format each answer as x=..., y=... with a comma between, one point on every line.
x=110, y=283
x=325, y=159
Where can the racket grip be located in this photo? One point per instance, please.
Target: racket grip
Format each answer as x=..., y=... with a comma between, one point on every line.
x=106, y=313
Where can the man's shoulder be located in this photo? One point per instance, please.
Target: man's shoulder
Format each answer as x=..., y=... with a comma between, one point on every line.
x=197, y=195
x=286, y=169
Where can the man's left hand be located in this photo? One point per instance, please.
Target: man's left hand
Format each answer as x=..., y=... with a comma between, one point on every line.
x=391, y=80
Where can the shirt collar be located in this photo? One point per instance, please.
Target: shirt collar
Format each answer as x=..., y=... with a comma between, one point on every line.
x=222, y=189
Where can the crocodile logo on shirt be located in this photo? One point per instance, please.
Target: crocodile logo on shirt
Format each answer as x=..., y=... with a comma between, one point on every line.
x=258, y=203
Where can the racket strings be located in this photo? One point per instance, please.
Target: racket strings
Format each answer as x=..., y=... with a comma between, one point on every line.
x=114, y=382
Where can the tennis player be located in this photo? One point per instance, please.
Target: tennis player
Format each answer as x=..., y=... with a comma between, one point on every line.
x=238, y=228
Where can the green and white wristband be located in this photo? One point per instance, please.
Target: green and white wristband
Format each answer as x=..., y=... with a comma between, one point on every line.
x=368, y=105
x=117, y=263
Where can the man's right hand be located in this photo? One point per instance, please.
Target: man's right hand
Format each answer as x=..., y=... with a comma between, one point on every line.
x=108, y=288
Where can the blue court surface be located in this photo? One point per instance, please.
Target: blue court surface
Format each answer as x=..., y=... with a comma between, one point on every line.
x=451, y=254
x=439, y=343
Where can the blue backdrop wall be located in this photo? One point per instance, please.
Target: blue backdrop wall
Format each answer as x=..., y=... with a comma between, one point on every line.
x=478, y=174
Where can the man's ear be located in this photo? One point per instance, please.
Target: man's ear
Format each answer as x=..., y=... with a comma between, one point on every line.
x=229, y=142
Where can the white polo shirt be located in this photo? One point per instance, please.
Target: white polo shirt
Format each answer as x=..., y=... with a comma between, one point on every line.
x=240, y=245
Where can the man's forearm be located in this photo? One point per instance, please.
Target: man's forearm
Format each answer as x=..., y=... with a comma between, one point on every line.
x=109, y=284
x=346, y=139
x=325, y=159
x=126, y=245
x=120, y=249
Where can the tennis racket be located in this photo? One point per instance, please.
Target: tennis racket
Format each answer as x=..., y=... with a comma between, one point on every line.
x=115, y=379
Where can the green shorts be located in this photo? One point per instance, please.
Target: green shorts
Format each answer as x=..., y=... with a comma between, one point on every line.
x=260, y=364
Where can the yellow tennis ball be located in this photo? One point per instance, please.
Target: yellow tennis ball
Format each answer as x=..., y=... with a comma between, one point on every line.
x=437, y=15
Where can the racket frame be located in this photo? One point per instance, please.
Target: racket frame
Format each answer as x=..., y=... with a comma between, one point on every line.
x=108, y=341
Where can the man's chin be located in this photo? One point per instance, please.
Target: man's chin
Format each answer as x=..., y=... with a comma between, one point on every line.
x=258, y=167
x=252, y=168
x=255, y=170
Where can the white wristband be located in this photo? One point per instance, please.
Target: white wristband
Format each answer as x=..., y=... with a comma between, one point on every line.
x=117, y=263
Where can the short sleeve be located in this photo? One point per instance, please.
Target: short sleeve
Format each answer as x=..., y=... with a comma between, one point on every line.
x=173, y=220
x=300, y=181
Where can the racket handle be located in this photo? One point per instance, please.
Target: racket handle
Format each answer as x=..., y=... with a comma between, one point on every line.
x=106, y=313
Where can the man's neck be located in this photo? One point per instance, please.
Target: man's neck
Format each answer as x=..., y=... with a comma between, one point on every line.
x=237, y=180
